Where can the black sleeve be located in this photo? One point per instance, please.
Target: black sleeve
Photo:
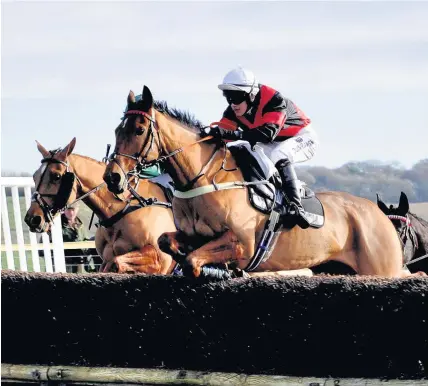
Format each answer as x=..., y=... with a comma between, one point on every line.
x=264, y=134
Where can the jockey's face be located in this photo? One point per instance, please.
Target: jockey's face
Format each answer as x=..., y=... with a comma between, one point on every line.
x=239, y=109
x=237, y=100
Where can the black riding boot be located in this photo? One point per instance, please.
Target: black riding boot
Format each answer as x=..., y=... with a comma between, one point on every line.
x=289, y=186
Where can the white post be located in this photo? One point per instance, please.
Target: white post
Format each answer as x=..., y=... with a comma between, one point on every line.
x=47, y=252
x=58, y=245
x=18, y=227
x=33, y=238
x=6, y=230
x=57, y=240
x=1, y=204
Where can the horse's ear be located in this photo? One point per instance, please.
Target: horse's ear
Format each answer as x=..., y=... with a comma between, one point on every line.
x=381, y=204
x=403, y=206
x=42, y=150
x=147, y=99
x=131, y=97
x=68, y=149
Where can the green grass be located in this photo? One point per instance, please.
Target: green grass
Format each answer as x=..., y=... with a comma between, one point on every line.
x=29, y=259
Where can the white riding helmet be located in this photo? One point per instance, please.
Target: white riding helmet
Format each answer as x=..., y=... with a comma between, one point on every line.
x=240, y=79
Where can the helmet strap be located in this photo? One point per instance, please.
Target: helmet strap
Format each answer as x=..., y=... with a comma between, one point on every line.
x=249, y=98
x=252, y=93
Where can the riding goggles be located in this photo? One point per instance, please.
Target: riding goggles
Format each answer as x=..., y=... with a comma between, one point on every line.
x=234, y=97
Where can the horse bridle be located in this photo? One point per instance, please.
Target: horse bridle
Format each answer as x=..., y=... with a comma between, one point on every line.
x=63, y=193
x=61, y=197
x=406, y=233
x=139, y=156
x=140, y=159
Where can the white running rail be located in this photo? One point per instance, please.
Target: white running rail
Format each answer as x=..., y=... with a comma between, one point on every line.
x=10, y=247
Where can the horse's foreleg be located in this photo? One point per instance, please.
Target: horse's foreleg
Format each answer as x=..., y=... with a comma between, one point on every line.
x=145, y=260
x=178, y=244
x=225, y=249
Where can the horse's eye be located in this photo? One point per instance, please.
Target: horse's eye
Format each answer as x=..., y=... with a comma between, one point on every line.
x=56, y=177
x=139, y=131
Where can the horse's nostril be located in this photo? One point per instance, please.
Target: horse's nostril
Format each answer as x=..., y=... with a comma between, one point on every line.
x=35, y=221
x=113, y=181
x=115, y=178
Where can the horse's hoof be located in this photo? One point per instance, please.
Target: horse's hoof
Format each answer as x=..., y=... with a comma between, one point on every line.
x=164, y=243
x=213, y=273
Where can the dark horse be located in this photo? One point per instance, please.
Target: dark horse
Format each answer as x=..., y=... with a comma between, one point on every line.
x=413, y=232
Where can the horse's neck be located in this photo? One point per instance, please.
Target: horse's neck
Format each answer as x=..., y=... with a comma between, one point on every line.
x=186, y=165
x=90, y=173
x=421, y=228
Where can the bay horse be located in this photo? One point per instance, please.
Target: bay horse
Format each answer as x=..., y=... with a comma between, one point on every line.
x=222, y=226
x=413, y=232
x=127, y=237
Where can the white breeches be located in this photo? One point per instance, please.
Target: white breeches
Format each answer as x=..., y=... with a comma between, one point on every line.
x=297, y=149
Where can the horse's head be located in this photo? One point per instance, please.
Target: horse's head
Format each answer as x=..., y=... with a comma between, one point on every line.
x=400, y=218
x=55, y=184
x=399, y=214
x=136, y=141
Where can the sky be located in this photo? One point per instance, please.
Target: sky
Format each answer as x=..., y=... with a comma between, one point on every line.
x=359, y=70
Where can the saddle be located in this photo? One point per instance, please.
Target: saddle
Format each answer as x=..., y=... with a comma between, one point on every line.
x=265, y=191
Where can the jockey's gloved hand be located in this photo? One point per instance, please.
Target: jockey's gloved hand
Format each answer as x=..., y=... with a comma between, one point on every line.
x=218, y=132
x=206, y=131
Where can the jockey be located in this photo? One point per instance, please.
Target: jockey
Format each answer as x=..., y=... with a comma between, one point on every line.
x=259, y=114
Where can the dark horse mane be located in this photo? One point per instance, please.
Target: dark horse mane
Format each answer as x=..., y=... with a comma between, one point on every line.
x=422, y=234
x=184, y=117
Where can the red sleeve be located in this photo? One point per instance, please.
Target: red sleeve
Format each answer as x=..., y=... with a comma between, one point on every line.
x=228, y=121
x=227, y=124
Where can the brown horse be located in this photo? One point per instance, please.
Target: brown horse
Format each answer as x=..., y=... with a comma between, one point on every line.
x=222, y=227
x=128, y=241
